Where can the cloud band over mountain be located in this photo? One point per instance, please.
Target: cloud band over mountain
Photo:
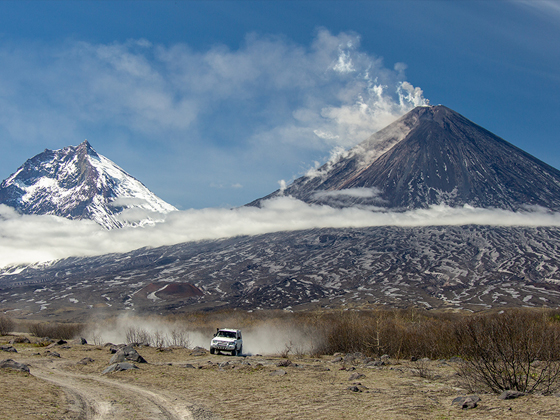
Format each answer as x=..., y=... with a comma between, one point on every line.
x=28, y=239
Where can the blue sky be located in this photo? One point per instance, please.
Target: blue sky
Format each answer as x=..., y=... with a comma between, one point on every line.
x=211, y=103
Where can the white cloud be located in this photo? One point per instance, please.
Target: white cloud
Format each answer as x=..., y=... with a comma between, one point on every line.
x=310, y=97
x=28, y=239
x=349, y=192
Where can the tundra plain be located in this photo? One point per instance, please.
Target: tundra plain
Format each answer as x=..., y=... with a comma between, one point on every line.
x=66, y=382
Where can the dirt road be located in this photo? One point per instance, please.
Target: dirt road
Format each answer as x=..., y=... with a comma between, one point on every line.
x=181, y=384
x=93, y=397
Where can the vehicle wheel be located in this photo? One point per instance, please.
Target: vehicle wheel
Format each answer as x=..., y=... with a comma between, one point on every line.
x=212, y=351
x=234, y=352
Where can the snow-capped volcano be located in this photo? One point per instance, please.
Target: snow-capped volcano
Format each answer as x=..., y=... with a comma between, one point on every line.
x=78, y=183
x=431, y=156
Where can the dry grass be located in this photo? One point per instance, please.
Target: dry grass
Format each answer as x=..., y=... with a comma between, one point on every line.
x=25, y=397
x=313, y=387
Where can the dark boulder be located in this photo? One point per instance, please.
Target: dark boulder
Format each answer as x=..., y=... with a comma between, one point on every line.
x=511, y=395
x=466, y=402
x=11, y=364
x=10, y=349
x=127, y=353
x=118, y=367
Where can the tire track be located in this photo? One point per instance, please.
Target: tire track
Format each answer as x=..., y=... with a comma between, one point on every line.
x=95, y=398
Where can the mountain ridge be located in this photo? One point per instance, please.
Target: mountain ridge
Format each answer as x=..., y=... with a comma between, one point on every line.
x=78, y=183
x=430, y=156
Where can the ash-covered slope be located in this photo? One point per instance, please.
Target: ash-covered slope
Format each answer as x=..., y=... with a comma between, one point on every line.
x=453, y=267
x=78, y=183
x=430, y=156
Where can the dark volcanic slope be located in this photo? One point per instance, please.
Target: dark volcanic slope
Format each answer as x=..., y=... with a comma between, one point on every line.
x=431, y=156
x=474, y=267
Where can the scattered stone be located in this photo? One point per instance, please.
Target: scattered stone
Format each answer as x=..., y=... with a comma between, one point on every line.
x=11, y=364
x=466, y=402
x=198, y=351
x=9, y=349
x=278, y=372
x=115, y=348
x=127, y=353
x=353, y=357
x=85, y=361
x=117, y=367
x=511, y=395
x=19, y=339
x=284, y=363
x=356, y=376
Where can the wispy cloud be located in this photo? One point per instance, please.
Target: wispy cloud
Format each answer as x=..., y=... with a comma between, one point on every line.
x=27, y=239
x=543, y=6
x=270, y=100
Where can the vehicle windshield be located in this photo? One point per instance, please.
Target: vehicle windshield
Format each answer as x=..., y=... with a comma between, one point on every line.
x=227, y=334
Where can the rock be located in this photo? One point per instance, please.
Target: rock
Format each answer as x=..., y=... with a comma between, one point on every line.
x=466, y=402
x=356, y=376
x=117, y=367
x=284, y=363
x=511, y=395
x=198, y=351
x=353, y=357
x=278, y=372
x=127, y=353
x=9, y=349
x=11, y=364
x=115, y=348
x=19, y=339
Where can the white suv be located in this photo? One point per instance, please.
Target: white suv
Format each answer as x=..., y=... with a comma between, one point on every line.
x=227, y=339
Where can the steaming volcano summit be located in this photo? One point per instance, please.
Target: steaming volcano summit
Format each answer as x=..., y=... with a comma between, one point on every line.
x=432, y=155
x=78, y=183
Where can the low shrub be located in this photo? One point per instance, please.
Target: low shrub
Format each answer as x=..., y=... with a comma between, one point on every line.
x=64, y=331
x=6, y=324
x=515, y=350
